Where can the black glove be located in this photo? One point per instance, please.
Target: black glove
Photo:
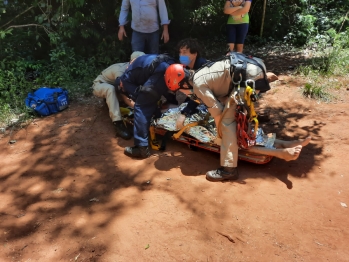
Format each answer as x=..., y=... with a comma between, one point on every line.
x=191, y=108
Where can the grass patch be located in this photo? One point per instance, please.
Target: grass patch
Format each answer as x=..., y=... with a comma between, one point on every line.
x=322, y=72
x=317, y=92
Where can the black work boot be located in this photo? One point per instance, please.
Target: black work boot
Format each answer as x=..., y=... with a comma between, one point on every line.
x=137, y=151
x=222, y=173
x=121, y=130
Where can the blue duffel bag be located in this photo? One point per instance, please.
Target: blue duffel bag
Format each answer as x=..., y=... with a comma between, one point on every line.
x=46, y=100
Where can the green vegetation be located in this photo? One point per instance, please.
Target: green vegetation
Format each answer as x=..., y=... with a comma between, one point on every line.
x=20, y=76
x=67, y=42
x=327, y=64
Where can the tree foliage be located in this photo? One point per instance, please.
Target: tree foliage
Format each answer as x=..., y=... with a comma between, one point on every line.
x=35, y=27
x=67, y=42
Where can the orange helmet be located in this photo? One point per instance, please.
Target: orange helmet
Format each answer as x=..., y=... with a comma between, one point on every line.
x=175, y=76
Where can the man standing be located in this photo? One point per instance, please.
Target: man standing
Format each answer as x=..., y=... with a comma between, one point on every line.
x=143, y=82
x=103, y=87
x=145, y=24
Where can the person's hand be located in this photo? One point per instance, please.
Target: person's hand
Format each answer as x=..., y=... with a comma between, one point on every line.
x=128, y=101
x=121, y=33
x=180, y=121
x=165, y=34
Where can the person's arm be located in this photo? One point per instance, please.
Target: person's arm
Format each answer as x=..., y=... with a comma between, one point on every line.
x=129, y=88
x=204, y=93
x=229, y=10
x=207, y=97
x=125, y=6
x=128, y=101
x=244, y=10
x=165, y=34
x=164, y=20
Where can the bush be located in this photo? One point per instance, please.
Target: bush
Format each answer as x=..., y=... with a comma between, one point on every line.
x=64, y=69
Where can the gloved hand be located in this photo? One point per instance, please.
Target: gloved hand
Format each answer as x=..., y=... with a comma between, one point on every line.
x=190, y=109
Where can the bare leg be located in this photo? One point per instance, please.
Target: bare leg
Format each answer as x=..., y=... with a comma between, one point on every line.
x=231, y=47
x=288, y=144
x=287, y=154
x=239, y=48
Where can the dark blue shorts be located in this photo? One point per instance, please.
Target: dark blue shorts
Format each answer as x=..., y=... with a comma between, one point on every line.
x=236, y=34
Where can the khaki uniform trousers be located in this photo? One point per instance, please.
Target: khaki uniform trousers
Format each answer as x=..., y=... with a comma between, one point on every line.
x=211, y=85
x=104, y=90
x=229, y=146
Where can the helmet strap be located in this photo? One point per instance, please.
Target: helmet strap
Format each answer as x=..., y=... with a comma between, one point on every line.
x=184, y=81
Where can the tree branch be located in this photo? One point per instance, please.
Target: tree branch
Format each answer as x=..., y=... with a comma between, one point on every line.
x=16, y=17
x=345, y=18
x=19, y=26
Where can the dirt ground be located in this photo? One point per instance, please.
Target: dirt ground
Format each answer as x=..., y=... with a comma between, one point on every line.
x=68, y=193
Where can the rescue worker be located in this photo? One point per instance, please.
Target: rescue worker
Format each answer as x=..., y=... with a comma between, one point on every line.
x=103, y=87
x=212, y=85
x=144, y=83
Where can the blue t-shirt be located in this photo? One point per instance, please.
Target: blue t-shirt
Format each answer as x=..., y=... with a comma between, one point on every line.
x=199, y=62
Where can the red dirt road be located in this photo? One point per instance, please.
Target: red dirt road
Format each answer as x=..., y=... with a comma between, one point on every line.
x=68, y=193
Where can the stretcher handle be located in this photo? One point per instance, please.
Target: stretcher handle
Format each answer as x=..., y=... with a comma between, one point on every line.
x=153, y=142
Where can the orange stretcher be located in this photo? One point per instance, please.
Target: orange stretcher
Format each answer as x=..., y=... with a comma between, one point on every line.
x=194, y=143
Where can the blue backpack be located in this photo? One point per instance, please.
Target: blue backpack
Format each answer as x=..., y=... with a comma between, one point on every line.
x=46, y=101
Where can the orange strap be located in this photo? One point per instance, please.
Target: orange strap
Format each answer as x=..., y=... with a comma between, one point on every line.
x=245, y=138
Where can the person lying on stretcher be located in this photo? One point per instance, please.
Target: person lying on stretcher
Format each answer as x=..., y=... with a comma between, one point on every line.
x=211, y=85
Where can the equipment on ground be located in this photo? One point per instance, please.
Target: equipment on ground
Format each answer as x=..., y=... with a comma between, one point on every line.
x=46, y=101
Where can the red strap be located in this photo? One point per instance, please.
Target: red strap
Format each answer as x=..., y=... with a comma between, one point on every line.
x=244, y=137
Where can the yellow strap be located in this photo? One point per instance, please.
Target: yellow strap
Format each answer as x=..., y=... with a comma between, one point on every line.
x=180, y=132
x=153, y=142
x=248, y=92
x=253, y=115
x=256, y=123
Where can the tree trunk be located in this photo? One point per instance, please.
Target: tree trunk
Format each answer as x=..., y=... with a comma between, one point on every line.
x=263, y=16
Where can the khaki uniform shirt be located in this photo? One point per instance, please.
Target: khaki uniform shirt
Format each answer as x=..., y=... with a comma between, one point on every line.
x=211, y=85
